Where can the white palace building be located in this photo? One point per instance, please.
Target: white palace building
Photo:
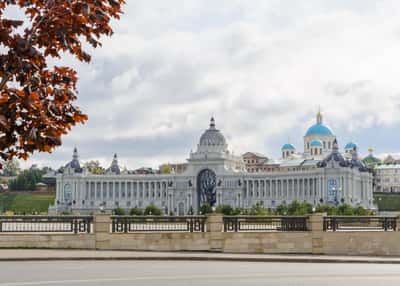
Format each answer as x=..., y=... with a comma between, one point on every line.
x=321, y=174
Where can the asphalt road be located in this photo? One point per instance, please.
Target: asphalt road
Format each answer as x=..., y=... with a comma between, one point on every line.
x=177, y=273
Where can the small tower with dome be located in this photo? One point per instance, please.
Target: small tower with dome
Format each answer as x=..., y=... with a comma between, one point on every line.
x=212, y=147
x=74, y=166
x=212, y=140
x=349, y=148
x=371, y=161
x=288, y=150
x=114, y=168
x=316, y=148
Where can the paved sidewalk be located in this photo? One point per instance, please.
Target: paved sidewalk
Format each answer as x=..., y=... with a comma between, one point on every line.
x=49, y=254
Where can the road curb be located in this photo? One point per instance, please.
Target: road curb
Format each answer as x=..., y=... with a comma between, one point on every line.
x=209, y=258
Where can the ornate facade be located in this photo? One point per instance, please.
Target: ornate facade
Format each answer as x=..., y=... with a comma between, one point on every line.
x=214, y=175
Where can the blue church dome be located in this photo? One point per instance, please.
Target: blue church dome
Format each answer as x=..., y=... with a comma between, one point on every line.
x=288, y=146
x=319, y=128
x=350, y=145
x=316, y=143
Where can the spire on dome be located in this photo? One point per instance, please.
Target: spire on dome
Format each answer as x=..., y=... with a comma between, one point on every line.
x=212, y=123
x=370, y=151
x=114, y=168
x=319, y=116
x=74, y=164
x=75, y=154
x=354, y=154
x=335, y=146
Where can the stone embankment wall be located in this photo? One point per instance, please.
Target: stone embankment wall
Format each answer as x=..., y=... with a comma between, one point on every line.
x=314, y=241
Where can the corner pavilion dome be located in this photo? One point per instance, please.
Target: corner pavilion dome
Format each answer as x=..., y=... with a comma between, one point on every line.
x=288, y=146
x=351, y=146
x=212, y=136
x=319, y=128
x=74, y=164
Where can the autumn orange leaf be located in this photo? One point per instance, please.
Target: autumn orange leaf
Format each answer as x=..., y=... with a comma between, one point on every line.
x=37, y=102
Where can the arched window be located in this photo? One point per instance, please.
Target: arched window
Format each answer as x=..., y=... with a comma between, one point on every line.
x=324, y=145
x=308, y=145
x=311, y=151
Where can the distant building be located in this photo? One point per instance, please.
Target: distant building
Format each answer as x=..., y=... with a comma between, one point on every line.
x=41, y=187
x=257, y=162
x=143, y=171
x=391, y=159
x=50, y=180
x=387, y=178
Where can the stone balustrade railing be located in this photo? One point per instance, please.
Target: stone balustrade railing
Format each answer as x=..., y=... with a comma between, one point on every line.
x=316, y=233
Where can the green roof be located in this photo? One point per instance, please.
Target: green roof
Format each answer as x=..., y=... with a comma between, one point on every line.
x=371, y=160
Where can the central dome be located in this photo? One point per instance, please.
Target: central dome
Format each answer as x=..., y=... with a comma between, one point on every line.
x=212, y=136
x=319, y=128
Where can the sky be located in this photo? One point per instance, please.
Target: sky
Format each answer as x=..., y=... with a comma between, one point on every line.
x=262, y=68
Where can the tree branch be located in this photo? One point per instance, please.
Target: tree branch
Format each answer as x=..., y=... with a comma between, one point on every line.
x=4, y=81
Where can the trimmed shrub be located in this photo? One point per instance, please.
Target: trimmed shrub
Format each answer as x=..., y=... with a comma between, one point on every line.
x=152, y=210
x=119, y=211
x=136, y=211
x=225, y=209
x=205, y=209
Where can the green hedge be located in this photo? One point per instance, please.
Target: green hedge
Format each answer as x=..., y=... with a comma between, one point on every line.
x=387, y=201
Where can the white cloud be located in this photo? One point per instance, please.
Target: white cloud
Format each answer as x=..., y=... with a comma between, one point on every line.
x=261, y=67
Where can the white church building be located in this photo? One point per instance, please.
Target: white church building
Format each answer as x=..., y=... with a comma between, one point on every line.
x=321, y=174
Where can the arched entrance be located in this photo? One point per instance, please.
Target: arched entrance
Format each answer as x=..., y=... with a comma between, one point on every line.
x=206, y=187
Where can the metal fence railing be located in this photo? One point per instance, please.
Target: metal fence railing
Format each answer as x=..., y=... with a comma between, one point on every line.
x=359, y=223
x=265, y=223
x=65, y=224
x=126, y=224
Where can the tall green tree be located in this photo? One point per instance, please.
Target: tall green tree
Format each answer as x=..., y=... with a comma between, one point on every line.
x=26, y=180
x=11, y=168
x=95, y=167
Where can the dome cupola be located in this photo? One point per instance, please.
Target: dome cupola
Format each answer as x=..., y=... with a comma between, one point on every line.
x=288, y=146
x=349, y=149
x=288, y=150
x=319, y=128
x=212, y=136
x=350, y=146
x=74, y=164
x=114, y=168
x=316, y=143
x=316, y=147
x=371, y=161
x=212, y=140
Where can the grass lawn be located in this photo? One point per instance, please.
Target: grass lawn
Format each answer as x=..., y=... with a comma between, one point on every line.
x=387, y=201
x=28, y=203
